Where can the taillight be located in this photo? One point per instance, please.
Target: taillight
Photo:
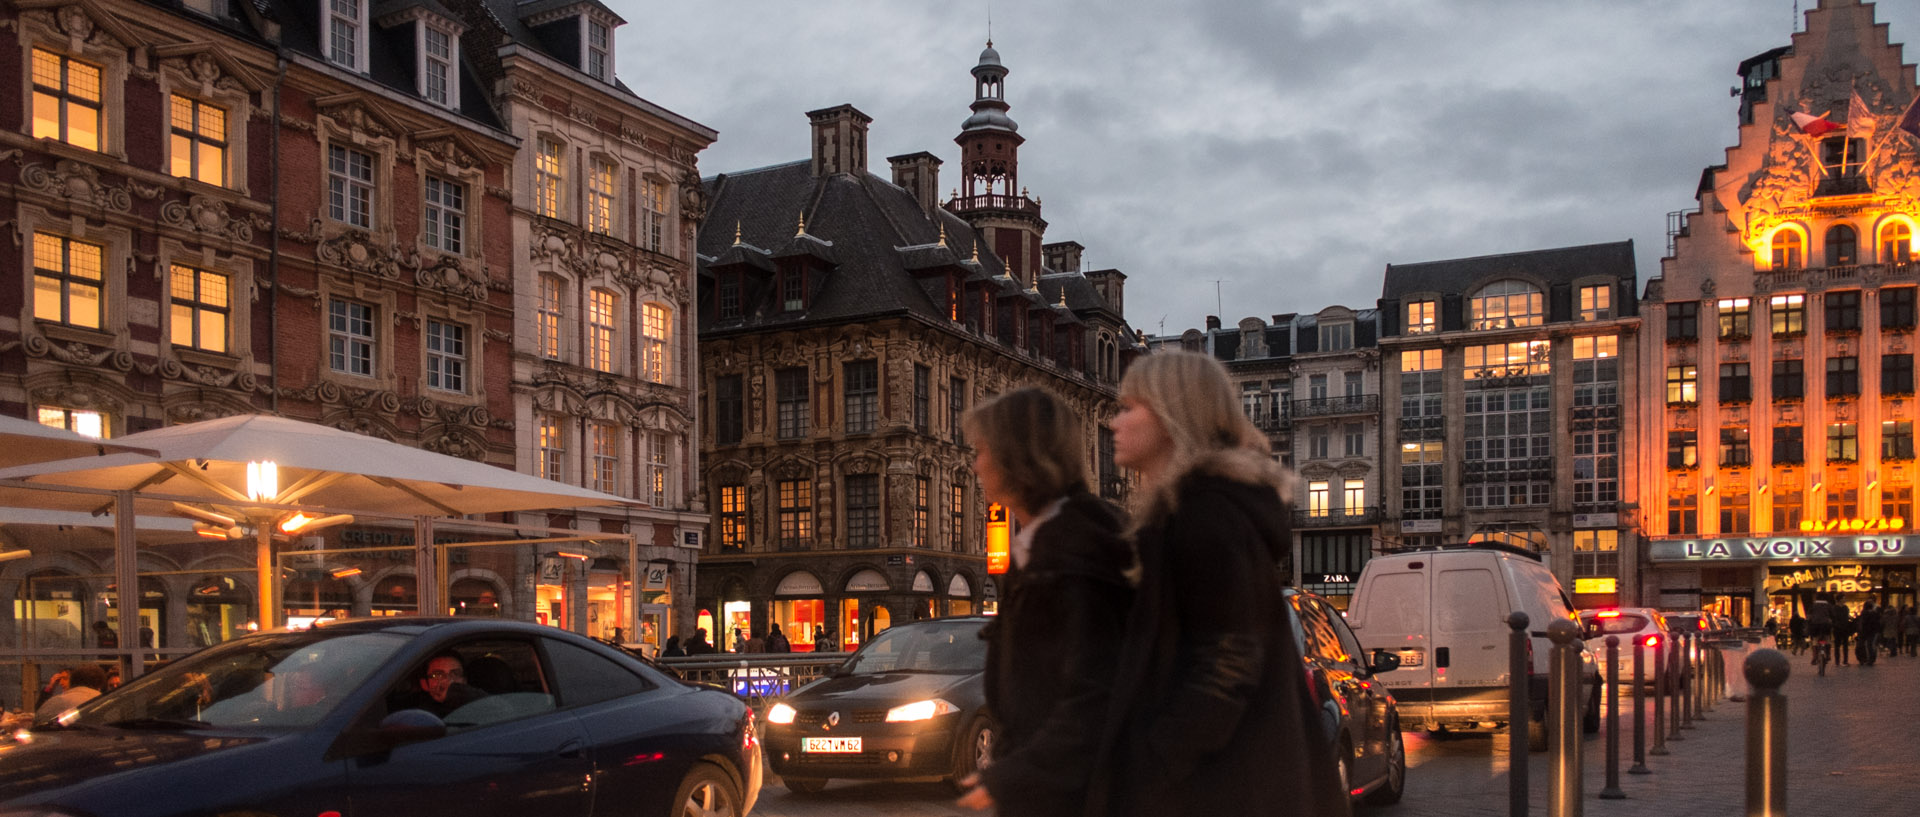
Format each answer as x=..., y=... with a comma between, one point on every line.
x=1702, y=623
x=1651, y=641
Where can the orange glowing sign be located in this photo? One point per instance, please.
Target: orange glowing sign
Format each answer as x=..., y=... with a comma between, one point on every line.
x=999, y=537
x=1854, y=525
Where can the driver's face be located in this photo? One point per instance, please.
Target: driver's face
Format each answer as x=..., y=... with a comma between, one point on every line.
x=442, y=674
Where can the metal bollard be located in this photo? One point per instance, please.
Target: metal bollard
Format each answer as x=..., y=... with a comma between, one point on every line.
x=1661, y=678
x=1705, y=699
x=1563, y=720
x=1612, y=790
x=1687, y=674
x=1675, y=683
x=1640, y=710
x=1518, y=714
x=1767, y=671
x=1699, y=690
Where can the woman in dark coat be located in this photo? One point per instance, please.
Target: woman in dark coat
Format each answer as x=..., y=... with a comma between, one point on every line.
x=1051, y=649
x=1212, y=714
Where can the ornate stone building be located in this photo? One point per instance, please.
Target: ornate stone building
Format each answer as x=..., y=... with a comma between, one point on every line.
x=1782, y=341
x=847, y=321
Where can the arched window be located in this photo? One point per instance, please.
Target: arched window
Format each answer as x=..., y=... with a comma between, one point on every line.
x=1843, y=246
x=1786, y=249
x=602, y=306
x=656, y=323
x=1896, y=243
x=1506, y=304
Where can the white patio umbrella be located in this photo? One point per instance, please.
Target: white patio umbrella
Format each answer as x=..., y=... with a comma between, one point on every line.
x=234, y=464
x=25, y=442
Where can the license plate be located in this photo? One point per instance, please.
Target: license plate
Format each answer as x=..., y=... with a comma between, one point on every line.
x=832, y=746
x=1412, y=658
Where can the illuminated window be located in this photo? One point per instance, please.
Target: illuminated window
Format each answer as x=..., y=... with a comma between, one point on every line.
x=1421, y=485
x=1896, y=440
x=198, y=147
x=1422, y=360
x=350, y=186
x=547, y=319
x=599, y=51
x=653, y=205
x=1596, y=372
x=601, y=184
x=1736, y=318
x=79, y=421
x=1501, y=360
x=446, y=215
x=1506, y=304
x=1735, y=448
x=1842, y=311
x=1843, y=246
x=733, y=518
x=1897, y=308
x=553, y=450
x=1787, y=252
x=1683, y=320
x=1683, y=515
x=1843, y=376
x=1683, y=449
x=1353, y=497
x=957, y=517
x=1596, y=553
x=656, y=324
x=1596, y=302
x=1896, y=243
x=1736, y=510
x=66, y=100
x=198, y=308
x=548, y=177
x=350, y=337
x=921, y=486
x=862, y=395
x=603, y=442
x=1683, y=385
x=447, y=356
x=729, y=409
x=1789, y=314
x=438, y=83
x=344, y=30
x=1789, y=380
x=796, y=514
x=68, y=283
x=1423, y=317
x=1319, y=495
x=1843, y=442
x=1788, y=445
x=659, y=459
x=1896, y=374
x=600, y=329
x=1736, y=383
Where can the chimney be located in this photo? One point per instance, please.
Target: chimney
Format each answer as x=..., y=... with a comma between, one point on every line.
x=919, y=174
x=1213, y=322
x=1111, y=284
x=839, y=140
x=1063, y=256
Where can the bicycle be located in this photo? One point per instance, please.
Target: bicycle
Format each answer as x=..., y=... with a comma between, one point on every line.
x=1822, y=652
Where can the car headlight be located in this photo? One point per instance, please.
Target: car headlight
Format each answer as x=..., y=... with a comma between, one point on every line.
x=920, y=711
x=780, y=713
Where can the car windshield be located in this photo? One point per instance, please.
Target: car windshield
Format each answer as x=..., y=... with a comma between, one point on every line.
x=944, y=647
x=287, y=681
x=1621, y=624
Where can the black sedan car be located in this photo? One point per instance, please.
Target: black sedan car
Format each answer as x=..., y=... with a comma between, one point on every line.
x=1360, y=713
x=394, y=716
x=907, y=705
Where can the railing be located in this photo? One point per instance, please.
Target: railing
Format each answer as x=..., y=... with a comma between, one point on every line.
x=1274, y=422
x=993, y=201
x=1336, y=517
x=1419, y=428
x=1330, y=406
x=1817, y=277
x=759, y=678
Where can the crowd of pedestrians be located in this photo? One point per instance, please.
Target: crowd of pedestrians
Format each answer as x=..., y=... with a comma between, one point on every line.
x=1856, y=637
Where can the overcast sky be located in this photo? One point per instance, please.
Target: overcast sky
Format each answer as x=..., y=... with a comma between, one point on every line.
x=1289, y=149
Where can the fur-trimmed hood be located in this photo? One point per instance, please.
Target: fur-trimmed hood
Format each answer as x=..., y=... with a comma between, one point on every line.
x=1243, y=465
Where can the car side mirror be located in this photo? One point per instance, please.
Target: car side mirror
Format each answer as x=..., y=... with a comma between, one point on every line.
x=409, y=726
x=1383, y=661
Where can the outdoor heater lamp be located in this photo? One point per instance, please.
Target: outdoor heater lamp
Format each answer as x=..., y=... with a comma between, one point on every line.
x=10, y=555
x=198, y=514
x=300, y=522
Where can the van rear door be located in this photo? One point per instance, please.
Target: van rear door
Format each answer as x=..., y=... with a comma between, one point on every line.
x=1469, y=626
x=1392, y=612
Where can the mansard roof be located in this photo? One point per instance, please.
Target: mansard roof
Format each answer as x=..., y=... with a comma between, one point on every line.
x=391, y=51
x=1461, y=276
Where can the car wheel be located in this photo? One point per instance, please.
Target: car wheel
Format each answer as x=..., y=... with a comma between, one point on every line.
x=707, y=792
x=1390, y=791
x=1346, y=768
x=973, y=751
x=1590, y=722
x=805, y=785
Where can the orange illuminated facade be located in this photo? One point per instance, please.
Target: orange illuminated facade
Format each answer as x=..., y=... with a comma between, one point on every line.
x=1782, y=340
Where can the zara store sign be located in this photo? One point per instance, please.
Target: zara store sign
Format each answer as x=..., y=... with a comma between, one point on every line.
x=1840, y=547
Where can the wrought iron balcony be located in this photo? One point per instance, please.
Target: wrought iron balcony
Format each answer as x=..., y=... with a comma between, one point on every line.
x=1274, y=422
x=1335, y=406
x=1336, y=517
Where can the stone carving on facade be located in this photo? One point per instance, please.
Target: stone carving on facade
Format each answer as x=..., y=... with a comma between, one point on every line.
x=205, y=70
x=454, y=275
x=78, y=396
x=1897, y=343
x=495, y=334
x=456, y=444
x=525, y=89
x=198, y=411
x=1706, y=288
x=356, y=251
x=694, y=199
x=206, y=215
x=355, y=116
x=364, y=426
x=499, y=192
x=583, y=115
x=791, y=468
x=80, y=182
x=862, y=463
x=450, y=152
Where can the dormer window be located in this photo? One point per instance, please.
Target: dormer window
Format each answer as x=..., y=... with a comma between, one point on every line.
x=599, y=51
x=438, y=56
x=346, y=34
x=1335, y=337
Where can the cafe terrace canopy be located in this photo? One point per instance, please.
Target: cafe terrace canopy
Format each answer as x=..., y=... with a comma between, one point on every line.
x=25, y=442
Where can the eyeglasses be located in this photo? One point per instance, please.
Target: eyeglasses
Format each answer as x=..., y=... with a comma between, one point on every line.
x=444, y=674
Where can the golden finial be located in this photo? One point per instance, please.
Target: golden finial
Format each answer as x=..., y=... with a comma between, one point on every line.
x=976, y=251
x=943, y=234
x=1063, y=294
x=736, y=232
x=803, y=225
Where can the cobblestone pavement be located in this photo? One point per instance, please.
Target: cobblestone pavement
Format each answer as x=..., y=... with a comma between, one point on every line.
x=1851, y=750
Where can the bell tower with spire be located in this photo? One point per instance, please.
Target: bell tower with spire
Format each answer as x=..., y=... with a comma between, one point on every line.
x=991, y=198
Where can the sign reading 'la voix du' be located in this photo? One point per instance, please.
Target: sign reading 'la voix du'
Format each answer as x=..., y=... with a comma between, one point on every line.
x=1840, y=547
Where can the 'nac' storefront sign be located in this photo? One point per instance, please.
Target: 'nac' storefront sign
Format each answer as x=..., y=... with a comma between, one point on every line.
x=1806, y=547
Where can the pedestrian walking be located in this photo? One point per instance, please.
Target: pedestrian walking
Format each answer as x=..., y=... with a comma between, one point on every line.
x=1797, y=630
x=1842, y=632
x=697, y=645
x=777, y=640
x=1051, y=650
x=1910, y=631
x=673, y=648
x=1890, y=629
x=1211, y=712
x=1867, y=638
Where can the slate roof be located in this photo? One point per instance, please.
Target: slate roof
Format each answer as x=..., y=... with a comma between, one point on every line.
x=390, y=53
x=1563, y=265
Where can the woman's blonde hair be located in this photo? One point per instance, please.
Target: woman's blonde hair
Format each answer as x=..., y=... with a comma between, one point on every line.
x=1036, y=440
x=1190, y=395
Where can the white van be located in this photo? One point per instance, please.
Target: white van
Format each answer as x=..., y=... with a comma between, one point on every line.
x=1444, y=611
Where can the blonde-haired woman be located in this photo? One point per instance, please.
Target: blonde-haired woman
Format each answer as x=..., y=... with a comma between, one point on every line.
x=1210, y=713
x=1051, y=650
